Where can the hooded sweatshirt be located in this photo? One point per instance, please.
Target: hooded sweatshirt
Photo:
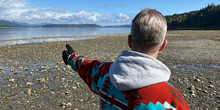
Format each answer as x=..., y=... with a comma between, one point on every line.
x=133, y=70
x=134, y=81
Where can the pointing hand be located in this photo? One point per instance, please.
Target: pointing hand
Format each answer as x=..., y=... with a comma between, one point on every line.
x=67, y=52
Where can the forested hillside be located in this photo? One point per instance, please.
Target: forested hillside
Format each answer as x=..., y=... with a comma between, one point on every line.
x=205, y=18
x=4, y=23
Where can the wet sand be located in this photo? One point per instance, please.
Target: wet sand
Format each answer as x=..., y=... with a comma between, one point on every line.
x=33, y=76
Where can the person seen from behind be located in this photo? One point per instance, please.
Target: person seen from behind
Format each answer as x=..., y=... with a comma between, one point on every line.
x=136, y=80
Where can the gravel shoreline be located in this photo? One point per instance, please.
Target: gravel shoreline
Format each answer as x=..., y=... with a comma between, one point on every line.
x=33, y=76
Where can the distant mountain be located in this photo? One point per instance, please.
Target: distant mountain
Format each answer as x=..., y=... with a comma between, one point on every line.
x=24, y=24
x=118, y=26
x=4, y=23
x=70, y=25
x=41, y=24
x=205, y=18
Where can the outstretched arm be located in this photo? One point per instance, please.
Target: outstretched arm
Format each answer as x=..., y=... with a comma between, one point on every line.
x=89, y=70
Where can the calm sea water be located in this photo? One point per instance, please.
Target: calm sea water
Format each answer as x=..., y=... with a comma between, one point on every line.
x=20, y=33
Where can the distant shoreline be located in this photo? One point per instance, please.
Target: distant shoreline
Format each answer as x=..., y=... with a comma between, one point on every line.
x=84, y=37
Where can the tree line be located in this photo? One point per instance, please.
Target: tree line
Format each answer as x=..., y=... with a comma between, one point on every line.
x=205, y=18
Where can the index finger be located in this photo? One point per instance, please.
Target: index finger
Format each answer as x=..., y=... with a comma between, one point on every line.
x=69, y=48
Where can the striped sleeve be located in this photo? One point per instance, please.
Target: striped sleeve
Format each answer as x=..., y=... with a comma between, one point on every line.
x=87, y=69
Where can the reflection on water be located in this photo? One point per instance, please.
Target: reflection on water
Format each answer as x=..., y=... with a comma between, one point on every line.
x=42, y=40
x=23, y=33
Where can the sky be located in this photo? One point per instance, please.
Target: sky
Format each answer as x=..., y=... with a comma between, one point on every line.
x=101, y=12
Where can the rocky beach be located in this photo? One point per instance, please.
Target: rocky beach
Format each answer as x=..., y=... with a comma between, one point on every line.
x=33, y=75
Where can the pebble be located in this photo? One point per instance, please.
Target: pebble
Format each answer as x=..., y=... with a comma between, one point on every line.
x=68, y=104
x=64, y=105
x=184, y=94
x=55, y=75
x=56, y=67
x=26, y=69
x=210, y=86
x=205, y=91
x=28, y=92
x=198, y=89
x=41, y=80
x=11, y=70
x=193, y=95
x=66, y=92
x=63, y=79
x=29, y=84
x=74, y=87
x=185, y=78
x=197, y=80
x=192, y=87
x=68, y=67
x=12, y=80
x=80, y=85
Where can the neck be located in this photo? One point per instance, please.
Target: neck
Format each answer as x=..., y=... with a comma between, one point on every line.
x=152, y=54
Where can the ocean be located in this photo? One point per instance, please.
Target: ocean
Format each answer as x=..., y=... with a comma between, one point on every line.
x=25, y=33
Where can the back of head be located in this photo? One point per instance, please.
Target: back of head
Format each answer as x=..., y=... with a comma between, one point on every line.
x=148, y=31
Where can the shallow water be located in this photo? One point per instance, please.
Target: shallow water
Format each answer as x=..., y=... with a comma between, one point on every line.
x=37, y=67
x=59, y=80
x=194, y=67
x=42, y=40
x=30, y=72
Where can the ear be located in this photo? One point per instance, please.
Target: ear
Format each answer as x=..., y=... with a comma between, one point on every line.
x=164, y=45
x=129, y=41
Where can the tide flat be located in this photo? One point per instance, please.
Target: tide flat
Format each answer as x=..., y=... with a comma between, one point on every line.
x=33, y=75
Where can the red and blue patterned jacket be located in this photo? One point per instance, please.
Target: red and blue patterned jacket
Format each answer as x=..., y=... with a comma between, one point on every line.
x=134, y=81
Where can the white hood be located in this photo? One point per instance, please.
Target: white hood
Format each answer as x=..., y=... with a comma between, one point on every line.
x=133, y=70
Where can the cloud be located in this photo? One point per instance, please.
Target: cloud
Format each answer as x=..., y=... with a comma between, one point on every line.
x=105, y=6
x=125, y=4
x=18, y=10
